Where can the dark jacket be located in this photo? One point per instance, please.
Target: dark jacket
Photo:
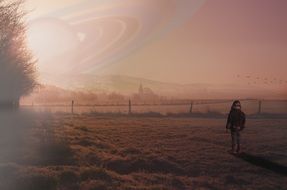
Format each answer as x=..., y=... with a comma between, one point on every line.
x=235, y=120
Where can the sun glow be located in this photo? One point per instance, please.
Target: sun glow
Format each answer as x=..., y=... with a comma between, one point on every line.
x=49, y=38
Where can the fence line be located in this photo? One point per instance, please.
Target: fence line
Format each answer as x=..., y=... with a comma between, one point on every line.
x=191, y=103
x=171, y=103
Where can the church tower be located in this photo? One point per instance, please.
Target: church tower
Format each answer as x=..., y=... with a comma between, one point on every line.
x=141, y=89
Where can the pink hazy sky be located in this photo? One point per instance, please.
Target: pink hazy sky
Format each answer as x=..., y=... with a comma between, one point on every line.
x=222, y=42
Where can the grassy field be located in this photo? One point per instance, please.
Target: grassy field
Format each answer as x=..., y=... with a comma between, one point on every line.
x=90, y=152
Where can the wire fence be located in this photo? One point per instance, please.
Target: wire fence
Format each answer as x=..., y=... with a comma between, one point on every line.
x=249, y=106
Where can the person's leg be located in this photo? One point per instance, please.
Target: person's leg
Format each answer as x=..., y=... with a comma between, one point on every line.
x=233, y=138
x=238, y=141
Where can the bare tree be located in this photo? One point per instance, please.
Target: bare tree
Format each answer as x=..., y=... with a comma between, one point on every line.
x=17, y=66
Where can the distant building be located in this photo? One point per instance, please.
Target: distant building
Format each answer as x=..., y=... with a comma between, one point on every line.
x=141, y=89
x=145, y=94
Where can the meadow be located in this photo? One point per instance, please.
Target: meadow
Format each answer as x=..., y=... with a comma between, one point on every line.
x=48, y=151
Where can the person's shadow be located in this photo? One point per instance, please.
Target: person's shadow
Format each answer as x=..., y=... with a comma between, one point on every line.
x=264, y=163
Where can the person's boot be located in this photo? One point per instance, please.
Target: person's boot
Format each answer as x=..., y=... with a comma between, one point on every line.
x=238, y=150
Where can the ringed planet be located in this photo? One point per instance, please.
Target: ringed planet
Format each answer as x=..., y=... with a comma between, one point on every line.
x=90, y=34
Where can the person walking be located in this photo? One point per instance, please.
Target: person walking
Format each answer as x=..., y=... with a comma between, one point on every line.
x=235, y=123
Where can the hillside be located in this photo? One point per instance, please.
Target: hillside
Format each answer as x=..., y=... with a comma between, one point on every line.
x=127, y=85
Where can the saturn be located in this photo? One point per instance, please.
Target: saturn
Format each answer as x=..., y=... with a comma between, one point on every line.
x=88, y=35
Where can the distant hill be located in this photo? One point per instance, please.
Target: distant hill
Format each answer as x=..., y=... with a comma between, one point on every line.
x=127, y=85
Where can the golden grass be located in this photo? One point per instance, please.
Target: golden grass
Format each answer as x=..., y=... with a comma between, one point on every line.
x=87, y=152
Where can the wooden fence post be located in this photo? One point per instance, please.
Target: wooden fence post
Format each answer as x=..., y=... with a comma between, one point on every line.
x=130, y=106
x=191, y=106
x=72, y=106
x=259, y=106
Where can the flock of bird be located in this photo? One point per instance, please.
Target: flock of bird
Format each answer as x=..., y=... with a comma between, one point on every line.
x=253, y=80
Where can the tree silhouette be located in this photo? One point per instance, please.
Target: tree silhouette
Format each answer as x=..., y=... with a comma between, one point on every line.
x=17, y=66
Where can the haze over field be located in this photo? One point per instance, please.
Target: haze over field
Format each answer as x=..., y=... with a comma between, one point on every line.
x=140, y=94
x=127, y=85
x=240, y=44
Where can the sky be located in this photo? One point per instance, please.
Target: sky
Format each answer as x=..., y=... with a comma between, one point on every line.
x=187, y=41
